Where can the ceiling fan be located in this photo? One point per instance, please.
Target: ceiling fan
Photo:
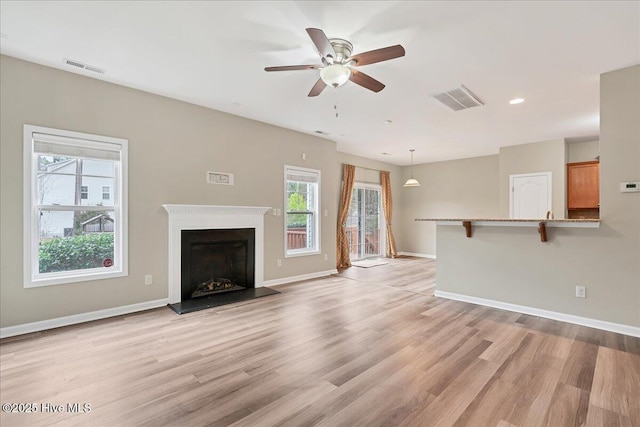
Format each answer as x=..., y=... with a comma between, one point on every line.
x=338, y=64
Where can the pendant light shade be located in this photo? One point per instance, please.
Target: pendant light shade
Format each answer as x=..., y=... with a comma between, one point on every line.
x=412, y=182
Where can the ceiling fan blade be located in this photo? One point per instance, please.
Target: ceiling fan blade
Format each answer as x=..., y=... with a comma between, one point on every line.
x=378, y=55
x=366, y=81
x=321, y=41
x=317, y=88
x=292, y=67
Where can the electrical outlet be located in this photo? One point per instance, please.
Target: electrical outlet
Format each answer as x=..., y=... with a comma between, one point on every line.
x=148, y=279
x=279, y=263
x=581, y=292
x=326, y=257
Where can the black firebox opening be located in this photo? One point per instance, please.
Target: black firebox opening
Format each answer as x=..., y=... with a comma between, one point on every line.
x=217, y=261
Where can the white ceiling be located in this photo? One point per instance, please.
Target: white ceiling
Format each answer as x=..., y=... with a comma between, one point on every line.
x=214, y=53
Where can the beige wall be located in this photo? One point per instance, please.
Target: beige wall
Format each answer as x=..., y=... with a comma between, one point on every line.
x=510, y=264
x=171, y=146
x=451, y=189
x=367, y=170
x=583, y=151
x=546, y=156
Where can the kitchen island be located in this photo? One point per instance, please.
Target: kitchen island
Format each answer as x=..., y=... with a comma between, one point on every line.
x=501, y=263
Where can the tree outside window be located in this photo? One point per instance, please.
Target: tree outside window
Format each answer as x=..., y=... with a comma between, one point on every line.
x=301, y=222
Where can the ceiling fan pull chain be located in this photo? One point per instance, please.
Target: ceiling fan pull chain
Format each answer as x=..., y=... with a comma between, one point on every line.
x=335, y=101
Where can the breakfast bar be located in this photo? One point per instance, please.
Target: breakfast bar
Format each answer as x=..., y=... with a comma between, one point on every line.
x=542, y=224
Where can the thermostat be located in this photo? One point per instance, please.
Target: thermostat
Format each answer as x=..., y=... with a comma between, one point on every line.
x=630, y=187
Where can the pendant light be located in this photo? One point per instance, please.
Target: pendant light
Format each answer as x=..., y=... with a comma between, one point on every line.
x=412, y=182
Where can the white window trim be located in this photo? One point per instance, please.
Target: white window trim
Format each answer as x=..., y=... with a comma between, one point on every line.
x=302, y=252
x=31, y=277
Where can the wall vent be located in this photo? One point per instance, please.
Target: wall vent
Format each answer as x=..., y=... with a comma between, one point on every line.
x=459, y=98
x=79, y=64
x=223, y=178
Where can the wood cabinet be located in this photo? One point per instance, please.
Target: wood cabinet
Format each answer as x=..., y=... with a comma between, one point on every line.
x=583, y=189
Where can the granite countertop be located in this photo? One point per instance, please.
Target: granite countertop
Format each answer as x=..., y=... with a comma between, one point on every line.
x=510, y=220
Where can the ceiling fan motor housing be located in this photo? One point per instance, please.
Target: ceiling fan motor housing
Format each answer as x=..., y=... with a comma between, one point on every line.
x=343, y=49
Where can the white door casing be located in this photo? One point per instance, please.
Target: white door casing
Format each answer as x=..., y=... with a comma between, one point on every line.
x=529, y=195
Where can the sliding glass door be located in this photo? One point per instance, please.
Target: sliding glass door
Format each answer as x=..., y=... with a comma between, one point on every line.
x=365, y=223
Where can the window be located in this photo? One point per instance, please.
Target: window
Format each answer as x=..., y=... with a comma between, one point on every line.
x=72, y=234
x=302, y=207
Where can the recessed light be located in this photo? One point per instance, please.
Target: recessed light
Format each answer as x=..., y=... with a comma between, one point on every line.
x=515, y=101
x=387, y=122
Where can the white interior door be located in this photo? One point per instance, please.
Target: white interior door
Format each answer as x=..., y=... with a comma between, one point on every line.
x=530, y=195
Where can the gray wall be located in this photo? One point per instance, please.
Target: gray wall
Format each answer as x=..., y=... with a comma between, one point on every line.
x=546, y=156
x=451, y=189
x=510, y=264
x=583, y=151
x=171, y=146
x=476, y=187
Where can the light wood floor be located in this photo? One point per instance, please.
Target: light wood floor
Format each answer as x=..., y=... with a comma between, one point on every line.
x=367, y=347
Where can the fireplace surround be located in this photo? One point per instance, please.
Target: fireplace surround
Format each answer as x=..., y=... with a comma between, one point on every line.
x=212, y=217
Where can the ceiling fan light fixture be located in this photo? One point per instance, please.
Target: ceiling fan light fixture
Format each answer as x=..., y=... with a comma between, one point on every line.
x=335, y=75
x=412, y=182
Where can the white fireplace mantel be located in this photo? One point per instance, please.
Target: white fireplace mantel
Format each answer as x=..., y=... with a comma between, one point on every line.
x=210, y=217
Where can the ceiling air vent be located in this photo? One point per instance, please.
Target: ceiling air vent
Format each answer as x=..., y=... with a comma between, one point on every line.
x=459, y=98
x=79, y=64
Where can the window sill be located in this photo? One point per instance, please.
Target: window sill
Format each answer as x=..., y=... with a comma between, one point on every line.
x=83, y=277
x=299, y=254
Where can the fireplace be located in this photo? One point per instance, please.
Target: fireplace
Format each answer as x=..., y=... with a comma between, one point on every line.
x=216, y=261
x=225, y=254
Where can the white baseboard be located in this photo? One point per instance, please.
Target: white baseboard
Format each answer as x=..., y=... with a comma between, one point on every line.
x=554, y=315
x=42, y=325
x=291, y=279
x=417, y=255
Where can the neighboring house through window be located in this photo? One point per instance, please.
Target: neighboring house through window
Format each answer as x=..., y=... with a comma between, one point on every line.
x=76, y=228
x=302, y=207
